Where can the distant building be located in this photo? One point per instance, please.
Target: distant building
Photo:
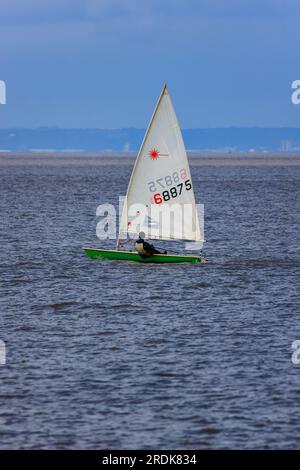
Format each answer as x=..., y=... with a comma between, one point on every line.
x=288, y=146
x=285, y=145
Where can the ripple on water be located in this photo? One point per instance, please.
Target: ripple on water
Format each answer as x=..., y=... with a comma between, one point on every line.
x=125, y=355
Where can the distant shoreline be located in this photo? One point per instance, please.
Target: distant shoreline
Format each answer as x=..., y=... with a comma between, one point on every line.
x=127, y=158
x=212, y=139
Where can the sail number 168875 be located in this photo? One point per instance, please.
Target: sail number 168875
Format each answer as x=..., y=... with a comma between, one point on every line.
x=172, y=185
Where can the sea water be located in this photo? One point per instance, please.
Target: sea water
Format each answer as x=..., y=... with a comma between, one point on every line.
x=104, y=354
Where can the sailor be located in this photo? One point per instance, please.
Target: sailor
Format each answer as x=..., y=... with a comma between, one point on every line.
x=144, y=249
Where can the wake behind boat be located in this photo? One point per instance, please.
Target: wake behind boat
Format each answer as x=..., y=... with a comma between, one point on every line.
x=160, y=199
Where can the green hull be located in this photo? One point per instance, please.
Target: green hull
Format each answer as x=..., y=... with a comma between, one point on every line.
x=132, y=256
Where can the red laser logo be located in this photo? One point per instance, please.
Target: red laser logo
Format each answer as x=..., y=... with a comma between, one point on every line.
x=154, y=154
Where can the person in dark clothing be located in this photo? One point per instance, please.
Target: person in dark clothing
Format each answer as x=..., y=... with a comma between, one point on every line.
x=144, y=249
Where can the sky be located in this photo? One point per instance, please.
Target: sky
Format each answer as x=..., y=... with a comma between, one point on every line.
x=102, y=63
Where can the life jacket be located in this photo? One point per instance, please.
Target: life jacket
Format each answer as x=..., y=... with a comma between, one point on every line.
x=143, y=248
x=139, y=246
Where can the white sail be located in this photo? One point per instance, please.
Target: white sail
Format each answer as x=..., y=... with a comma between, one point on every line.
x=160, y=199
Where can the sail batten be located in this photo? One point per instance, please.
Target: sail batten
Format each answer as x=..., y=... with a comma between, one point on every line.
x=160, y=197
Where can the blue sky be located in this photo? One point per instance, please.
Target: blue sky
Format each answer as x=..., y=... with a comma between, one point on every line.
x=101, y=63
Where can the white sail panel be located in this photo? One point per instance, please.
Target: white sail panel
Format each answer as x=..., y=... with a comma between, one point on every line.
x=160, y=198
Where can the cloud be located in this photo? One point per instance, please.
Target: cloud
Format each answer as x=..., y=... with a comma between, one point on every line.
x=16, y=12
x=49, y=11
x=178, y=27
x=233, y=54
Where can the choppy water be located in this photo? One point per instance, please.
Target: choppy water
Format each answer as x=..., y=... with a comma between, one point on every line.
x=112, y=355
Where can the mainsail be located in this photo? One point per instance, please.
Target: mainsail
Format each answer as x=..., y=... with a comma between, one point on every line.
x=160, y=199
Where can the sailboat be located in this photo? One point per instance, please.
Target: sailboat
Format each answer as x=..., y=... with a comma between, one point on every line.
x=160, y=183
